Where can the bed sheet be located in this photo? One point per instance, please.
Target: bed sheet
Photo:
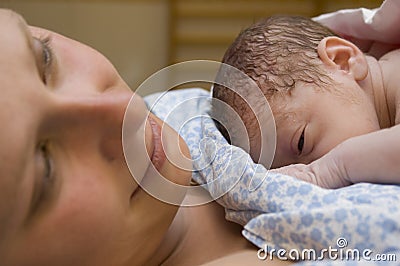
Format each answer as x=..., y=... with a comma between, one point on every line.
x=279, y=211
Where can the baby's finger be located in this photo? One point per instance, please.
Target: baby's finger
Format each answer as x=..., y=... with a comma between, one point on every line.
x=300, y=171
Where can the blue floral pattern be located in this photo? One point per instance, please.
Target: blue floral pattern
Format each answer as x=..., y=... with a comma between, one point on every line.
x=278, y=210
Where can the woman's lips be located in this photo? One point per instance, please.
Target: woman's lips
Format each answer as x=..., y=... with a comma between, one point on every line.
x=154, y=148
x=158, y=155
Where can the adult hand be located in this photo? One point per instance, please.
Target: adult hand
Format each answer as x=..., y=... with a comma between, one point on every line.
x=326, y=172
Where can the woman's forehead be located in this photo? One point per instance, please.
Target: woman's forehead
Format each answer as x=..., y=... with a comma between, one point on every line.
x=15, y=110
x=13, y=24
x=18, y=70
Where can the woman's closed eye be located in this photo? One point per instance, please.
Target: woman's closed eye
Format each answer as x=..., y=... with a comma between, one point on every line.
x=44, y=57
x=45, y=176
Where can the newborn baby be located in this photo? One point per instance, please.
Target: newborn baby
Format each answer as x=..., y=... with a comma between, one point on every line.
x=336, y=109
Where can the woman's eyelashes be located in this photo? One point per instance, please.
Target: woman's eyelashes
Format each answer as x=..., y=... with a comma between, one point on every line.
x=48, y=167
x=44, y=57
x=45, y=176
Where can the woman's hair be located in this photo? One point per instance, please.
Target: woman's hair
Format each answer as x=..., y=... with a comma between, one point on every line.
x=275, y=52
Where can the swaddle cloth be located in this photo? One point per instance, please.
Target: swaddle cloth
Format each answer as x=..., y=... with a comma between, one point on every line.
x=279, y=212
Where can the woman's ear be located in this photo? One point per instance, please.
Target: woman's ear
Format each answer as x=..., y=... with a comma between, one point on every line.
x=343, y=55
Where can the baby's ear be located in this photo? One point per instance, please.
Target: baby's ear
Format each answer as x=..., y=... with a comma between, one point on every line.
x=343, y=55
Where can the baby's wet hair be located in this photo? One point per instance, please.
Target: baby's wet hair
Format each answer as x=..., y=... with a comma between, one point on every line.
x=276, y=52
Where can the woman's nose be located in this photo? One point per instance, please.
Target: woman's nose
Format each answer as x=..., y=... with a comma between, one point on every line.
x=96, y=121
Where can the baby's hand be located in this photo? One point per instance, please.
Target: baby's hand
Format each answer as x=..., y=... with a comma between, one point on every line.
x=325, y=172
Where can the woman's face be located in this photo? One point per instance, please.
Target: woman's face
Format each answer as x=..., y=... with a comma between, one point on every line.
x=66, y=194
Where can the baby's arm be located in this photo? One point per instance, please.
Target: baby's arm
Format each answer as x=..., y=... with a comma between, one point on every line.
x=374, y=158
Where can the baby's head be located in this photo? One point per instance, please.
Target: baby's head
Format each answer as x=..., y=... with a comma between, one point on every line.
x=287, y=56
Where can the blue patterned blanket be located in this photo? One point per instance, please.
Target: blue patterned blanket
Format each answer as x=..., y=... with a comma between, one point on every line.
x=279, y=212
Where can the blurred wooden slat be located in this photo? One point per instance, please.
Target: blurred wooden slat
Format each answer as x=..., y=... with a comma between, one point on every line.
x=214, y=24
x=241, y=8
x=200, y=51
x=81, y=1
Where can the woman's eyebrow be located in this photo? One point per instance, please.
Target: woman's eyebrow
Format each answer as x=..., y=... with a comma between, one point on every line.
x=22, y=26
